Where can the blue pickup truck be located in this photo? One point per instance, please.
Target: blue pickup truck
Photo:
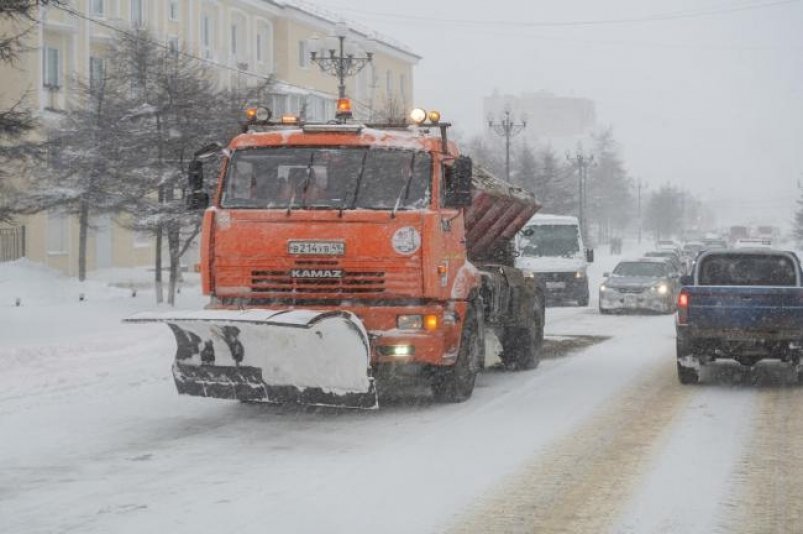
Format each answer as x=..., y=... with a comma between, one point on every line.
x=743, y=305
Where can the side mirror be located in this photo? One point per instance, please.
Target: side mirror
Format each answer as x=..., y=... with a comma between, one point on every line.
x=687, y=280
x=590, y=255
x=457, y=184
x=198, y=198
x=674, y=276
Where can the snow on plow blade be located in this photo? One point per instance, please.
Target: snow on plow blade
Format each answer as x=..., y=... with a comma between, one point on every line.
x=289, y=356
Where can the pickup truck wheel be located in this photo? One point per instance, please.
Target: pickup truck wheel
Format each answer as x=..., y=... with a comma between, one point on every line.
x=456, y=383
x=687, y=375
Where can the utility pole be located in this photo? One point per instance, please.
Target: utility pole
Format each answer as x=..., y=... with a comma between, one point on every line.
x=640, y=224
x=582, y=162
x=507, y=128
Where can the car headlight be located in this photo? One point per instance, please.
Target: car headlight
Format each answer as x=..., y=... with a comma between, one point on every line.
x=662, y=289
x=580, y=274
x=603, y=288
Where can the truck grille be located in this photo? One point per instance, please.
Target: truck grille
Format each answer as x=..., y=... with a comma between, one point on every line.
x=348, y=281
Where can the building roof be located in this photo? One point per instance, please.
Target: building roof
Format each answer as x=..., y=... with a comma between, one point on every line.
x=333, y=17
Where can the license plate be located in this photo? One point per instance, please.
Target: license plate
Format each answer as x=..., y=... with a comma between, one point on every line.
x=630, y=300
x=316, y=248
x=556, y=285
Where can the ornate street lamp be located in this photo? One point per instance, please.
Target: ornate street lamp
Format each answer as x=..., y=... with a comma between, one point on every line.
x=507, y=129
x=340, y=63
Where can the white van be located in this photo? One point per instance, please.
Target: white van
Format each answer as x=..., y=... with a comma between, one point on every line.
x=552, y=247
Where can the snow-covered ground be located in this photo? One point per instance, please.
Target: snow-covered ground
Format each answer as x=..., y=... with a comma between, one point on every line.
x=95, y=438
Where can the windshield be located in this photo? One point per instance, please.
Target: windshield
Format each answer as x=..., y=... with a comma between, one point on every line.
x=637, y=268
x=327, y=178
x=550, y=240
x=747, y=270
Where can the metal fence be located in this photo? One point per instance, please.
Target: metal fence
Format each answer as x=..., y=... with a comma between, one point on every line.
x=12, y=243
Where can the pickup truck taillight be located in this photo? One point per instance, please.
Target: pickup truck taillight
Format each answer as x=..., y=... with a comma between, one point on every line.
x=683, y=307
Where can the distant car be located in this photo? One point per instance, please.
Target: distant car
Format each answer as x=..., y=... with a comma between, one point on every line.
x=715, y=244
x=647, y=284
x=689, y=252
x=667, y=244
x=753, y=243
x=670, y=256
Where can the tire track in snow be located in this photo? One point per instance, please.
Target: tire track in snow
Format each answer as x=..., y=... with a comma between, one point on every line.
x=580, y=483
x=771, y=473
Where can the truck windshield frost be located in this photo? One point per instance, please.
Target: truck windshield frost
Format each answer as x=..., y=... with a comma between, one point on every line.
x=551, y=240
x=328, y=178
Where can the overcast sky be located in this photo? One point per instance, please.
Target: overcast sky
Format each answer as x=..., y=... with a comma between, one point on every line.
x=707, y=94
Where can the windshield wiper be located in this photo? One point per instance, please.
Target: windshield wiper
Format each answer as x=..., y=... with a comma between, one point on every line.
x=303, y=189
x=353, y=202
x=405, y=189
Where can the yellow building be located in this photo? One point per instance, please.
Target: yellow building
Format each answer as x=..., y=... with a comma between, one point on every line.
x=243, y=41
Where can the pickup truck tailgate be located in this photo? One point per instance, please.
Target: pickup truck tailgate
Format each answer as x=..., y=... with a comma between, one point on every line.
x=749, y=308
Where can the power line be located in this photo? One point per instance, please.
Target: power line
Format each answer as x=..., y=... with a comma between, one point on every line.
x=134, y=35
x=660, y=17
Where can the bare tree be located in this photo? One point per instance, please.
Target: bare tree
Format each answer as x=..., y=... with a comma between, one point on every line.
x=179, y=109
x=83, y=174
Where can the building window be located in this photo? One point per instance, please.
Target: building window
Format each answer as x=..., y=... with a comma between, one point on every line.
x=264, y=44
x=402, y=84
x=136, y=13
x=96, y=7
x=303, y=54
x=95, y=73
x=51, y=68
x=174, y=13
x=233, y=39
x=57, y=233
x=172, y=45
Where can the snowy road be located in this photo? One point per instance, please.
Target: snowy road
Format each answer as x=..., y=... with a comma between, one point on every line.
x=598, y=438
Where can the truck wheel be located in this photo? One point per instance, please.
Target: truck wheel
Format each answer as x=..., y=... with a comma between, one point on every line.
x=521, y=347
x=687, y=375
x=583, y=300
x=456, y=383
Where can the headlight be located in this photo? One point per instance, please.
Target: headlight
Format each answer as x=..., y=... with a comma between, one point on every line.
x=662, y=289
x=580, y=274
x=603, y=288
x=410, y=322
x=428, y=322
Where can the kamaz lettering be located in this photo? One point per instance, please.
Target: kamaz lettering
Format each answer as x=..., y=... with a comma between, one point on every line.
x=316, y=273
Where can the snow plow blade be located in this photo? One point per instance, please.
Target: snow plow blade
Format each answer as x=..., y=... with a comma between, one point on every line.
x=290, y=356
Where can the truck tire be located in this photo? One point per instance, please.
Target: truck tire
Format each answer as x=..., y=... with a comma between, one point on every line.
x=583, y=299
x=521, y=347
x=687, y=375
x=456, y=383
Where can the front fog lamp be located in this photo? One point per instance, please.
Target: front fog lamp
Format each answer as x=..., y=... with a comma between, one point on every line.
x=397, y=350
x=410, y=322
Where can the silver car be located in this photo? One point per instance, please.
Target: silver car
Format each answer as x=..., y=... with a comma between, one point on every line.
x=646, y=284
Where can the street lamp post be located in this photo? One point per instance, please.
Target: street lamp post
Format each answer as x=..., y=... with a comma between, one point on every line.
x=507, y=129
x=583, y=162
x=340, y=64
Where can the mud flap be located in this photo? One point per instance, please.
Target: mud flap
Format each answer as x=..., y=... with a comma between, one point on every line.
x=290, y=356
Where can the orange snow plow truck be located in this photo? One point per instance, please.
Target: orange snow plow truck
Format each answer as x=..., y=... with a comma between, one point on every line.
x=338, y=256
